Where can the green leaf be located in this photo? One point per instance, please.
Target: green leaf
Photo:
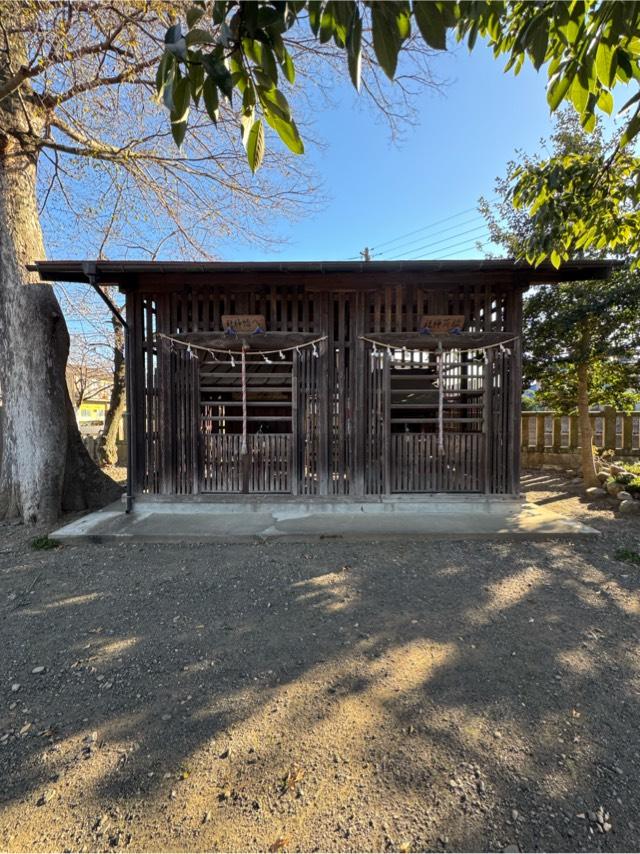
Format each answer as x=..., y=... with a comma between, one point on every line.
x=390, y=25
x=314, y=10
x=288, y=68
x=354, y=50
x=605, y=67
x=605, y=101
x=342, y=16
x=631, y=130
x=431, y=24
x=273, y=100
x=286, y=130
x=210, y=98
x=219, y=11
x=193, y=15
x=557, y=88
x=632, y=100
x=538, y=43
x=196, y=81
x=218, y=70
x=199, y=36
x=180, y=111
x=254, y=145
x=579, y=95
x=326, y=23
x=164, y=75
x=268, y=63
x=181, y=98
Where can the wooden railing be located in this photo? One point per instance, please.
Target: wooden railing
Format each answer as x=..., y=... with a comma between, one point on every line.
x=548, y=432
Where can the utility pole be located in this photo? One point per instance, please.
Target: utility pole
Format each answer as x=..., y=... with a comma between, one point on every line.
x=366, y=254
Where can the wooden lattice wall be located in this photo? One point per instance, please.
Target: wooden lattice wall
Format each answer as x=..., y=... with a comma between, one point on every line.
x=330, y=451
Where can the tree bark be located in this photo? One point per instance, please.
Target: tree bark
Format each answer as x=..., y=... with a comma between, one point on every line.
x=589, y=474
x=107, y=447
x=44, y=466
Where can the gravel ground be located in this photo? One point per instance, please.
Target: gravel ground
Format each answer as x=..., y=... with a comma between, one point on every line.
x=388, y=696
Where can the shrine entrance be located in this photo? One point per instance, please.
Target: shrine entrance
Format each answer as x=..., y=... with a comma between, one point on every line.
x=258, y=411
x=436, y=416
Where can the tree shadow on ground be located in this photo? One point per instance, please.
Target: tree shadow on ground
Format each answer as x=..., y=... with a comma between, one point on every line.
x=340, y=697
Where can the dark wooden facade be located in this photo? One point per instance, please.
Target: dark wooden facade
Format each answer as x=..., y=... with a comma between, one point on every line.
x=350, y=422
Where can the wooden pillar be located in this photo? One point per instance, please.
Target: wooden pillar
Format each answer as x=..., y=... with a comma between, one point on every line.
x=525, y=420
x=609, y=439
x=513, y=322
x=574, y=433
x=135, y=402
x=540, y=425
x=627, y=433
x=359, y=397
x=322, y=374
x=488, y=421
x=556, y=434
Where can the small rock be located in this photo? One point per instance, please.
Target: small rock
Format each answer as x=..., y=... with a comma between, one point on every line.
x=38, y=670
x=614, y=488
x=630, y=506
x=166, y=717
x=15, y=687
x=624, y=496
x=515, y=815
x=596, y=492
x=44, y=798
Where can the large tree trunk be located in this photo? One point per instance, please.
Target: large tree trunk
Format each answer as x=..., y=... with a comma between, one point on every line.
x=107, y=447
x=44, y=466
x=589, y=474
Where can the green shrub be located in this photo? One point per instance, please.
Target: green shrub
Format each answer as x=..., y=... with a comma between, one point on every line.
x=628, y=556
x=622, y=478
x=43, y=543
x=634, y=486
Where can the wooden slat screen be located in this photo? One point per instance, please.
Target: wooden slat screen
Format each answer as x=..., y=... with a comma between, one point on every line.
x=338, y=412
x=419, y=466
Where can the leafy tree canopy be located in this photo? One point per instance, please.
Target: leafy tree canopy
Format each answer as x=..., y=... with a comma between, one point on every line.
x=592, y=323
x=587, y=47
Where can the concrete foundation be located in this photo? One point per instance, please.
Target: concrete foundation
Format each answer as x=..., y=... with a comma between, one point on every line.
x=231, y=521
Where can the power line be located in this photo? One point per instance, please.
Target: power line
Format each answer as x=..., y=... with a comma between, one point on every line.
x=451, y=237
x=424, y=228
x=469, y=242
x=407, y=246
x=404, y=246
x=464, y=246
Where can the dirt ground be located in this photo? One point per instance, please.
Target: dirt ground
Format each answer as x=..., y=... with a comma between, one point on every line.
x=387, y=696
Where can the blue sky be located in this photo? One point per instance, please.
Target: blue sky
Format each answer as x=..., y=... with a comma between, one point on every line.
x=378, y=190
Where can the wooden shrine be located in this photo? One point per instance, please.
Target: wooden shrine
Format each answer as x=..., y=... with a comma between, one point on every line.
x=319, y=380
